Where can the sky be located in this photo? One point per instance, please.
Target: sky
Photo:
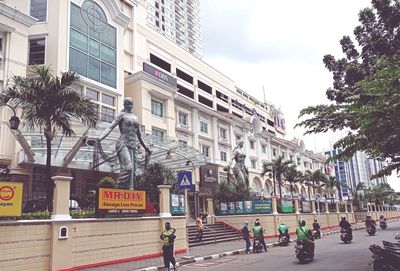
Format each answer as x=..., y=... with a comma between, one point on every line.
x=279, y=46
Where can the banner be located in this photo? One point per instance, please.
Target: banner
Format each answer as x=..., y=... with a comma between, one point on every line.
x=248, y=206
x=239, y=207
x=224, y=208
x=177, y=204
x=306, y=207
x=118, y=199
x=231, y=208
x=262, y=206
x=10, y=199
x=287, y=206
x=208, y=175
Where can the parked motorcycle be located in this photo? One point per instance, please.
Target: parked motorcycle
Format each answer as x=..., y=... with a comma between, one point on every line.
x=257, y=245
x=284, y=241
x=316, y=234
x=386, y=258
x=371, y=230
x=383, y=225
x=345, y=236
x=302, y=252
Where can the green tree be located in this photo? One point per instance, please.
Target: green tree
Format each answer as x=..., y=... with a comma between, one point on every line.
x=292, y=176
x=365, y=98
x=277, y=169
x=50, y=103
x=157, y=174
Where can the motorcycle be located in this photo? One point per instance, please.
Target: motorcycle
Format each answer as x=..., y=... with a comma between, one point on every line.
x=257, y=245
x=371, y=230
x=386, y=258
x=316, y=233
x=284, y=240
x=383, y=225
x=345, y=236
x=302, y=252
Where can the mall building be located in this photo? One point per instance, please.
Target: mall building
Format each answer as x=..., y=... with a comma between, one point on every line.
x=189, y=110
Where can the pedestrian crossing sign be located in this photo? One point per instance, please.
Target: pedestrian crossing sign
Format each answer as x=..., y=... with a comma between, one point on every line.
x=185, y=179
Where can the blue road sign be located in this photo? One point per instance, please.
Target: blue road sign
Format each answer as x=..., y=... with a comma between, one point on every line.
x=185, y=179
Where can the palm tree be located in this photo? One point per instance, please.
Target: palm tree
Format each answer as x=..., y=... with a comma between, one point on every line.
x=292, y=176
x=277, y=168
x=49, y=102
x=307, y=181
x=331, y=184
x=318, y=180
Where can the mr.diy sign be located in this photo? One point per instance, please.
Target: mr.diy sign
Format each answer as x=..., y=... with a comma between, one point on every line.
x=121, y=201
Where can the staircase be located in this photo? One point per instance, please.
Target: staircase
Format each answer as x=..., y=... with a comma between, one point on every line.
x=212, y=233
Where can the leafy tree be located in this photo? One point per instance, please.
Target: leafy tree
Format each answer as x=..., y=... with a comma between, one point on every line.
x=277, y=168
x=292, y=176
x=231, y=191
x=365, y=98
x=331, y=186
x=157, y=174
x=381, y=194
x=49, y=102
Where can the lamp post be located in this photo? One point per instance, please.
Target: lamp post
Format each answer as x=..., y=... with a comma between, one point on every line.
x=272, y=175
x=14, y=120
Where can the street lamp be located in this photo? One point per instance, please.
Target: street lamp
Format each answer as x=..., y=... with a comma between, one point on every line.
x=272, y=176
x=14, y=120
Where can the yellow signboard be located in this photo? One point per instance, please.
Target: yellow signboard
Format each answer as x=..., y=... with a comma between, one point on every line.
x=10, y=199
x=118, y=199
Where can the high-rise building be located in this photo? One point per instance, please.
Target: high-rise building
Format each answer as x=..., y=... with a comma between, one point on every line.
x=178, y=20
x=359, y=169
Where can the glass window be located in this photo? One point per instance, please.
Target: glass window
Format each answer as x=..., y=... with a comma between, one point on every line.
x=222, y=133
x=157, y=108
x=93, y=44
x=37, y=51
x=182, y=144
x=107, y=114
x=264, y=149
x=253, y=163
x=274, y=152
x=205, y=150
x=204, y=127
x=251, y=144
x=92, y=94
x=223, y=156
x=157, y=133
x=107, y=99
x=38, y=9
x=182, y=118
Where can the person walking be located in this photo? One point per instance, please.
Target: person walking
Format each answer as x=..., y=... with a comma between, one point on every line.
x=168, y=237
x=199, y=226
x=246, y=236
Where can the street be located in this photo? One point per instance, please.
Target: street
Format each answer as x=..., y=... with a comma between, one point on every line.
x=330, y=254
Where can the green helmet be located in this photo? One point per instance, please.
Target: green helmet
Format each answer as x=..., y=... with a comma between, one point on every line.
x=302, y=223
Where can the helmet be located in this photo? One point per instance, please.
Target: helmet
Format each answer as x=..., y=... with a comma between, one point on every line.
x=302, y=223
x=167, y=225
x=257, y=223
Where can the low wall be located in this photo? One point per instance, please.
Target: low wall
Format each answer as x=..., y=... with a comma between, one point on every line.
x=34, y=245
x=271, y=222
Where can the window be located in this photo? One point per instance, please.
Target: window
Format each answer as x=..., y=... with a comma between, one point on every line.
x=92, y=94
x=274, y=152
x=36, y=51
x=253, y=163
x=204, y=127
x=38, y=9
x=251, y=144
x=205, y=150
x=107, y=114
x=223, y=133
x=183, y=75
x=107, y=99
x=182, y=118
x=238, y=137
x=182, y=144
x=157, y=133
x=223, y=156
x=157, y=108
x=93, y=44
x=264, y=149
x=158, y=61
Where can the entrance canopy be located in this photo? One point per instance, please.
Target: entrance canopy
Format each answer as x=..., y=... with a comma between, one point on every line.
x=73, y=152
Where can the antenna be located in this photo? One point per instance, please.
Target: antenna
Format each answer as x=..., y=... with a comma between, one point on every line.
x=265, y=100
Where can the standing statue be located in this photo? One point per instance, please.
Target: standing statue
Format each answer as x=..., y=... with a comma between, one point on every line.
x=240, y=170
x=127, y=145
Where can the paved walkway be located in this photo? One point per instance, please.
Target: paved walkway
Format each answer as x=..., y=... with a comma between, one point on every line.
x=196, y=252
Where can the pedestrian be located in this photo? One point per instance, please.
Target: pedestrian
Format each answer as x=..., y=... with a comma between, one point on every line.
x=168, y=236
x=246, y=236
x=199, y=226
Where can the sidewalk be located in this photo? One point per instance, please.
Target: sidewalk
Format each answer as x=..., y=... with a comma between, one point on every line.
x=199, y=253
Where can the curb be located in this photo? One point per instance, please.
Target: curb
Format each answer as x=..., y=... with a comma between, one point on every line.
x=230, y=253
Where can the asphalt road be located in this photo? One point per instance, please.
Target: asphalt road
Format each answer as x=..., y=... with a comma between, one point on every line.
x=330, y=254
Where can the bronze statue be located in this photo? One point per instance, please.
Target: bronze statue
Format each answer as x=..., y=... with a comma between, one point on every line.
x=127, y=145
x=240, y=170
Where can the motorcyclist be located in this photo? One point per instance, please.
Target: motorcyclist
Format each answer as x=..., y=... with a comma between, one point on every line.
x=370, y=222
x=305, y=235
x=258, y=233
x=382, y=218
x=283, y=231
x=344, y=224
x=316, y=225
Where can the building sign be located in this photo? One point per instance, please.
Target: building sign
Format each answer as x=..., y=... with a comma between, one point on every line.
x=208, y=175
x=224, y=208
x=4, y=171
x=306, y=206
x=121, y=201
x=262, y=206
x=287, y=206
x=248, y=206
x=10, y=199
x=231, y=208
x=177, y=204
x=159, y=74
x=239, y=207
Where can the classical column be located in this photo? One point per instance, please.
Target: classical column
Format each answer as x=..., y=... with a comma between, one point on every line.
x=164, y=200
x=345, y=207
x=296, y=206
x=313, y=206
x=210, y=208
x=274, y=206
x=337, y=207
x=61, y=197
x=326, y=207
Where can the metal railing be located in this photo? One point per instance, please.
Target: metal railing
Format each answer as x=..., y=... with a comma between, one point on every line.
x=205, y=227
x=226, y=223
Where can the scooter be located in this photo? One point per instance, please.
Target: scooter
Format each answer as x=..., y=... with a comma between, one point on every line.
x=383, y=225
x=345, y=236
x=302, y=253
x=316, y=233
x=284, y=240
x=371, y=230
x=387, y=258
x=257, y=248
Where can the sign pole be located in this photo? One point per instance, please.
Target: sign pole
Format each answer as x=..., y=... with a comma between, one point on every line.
x=187, y=220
